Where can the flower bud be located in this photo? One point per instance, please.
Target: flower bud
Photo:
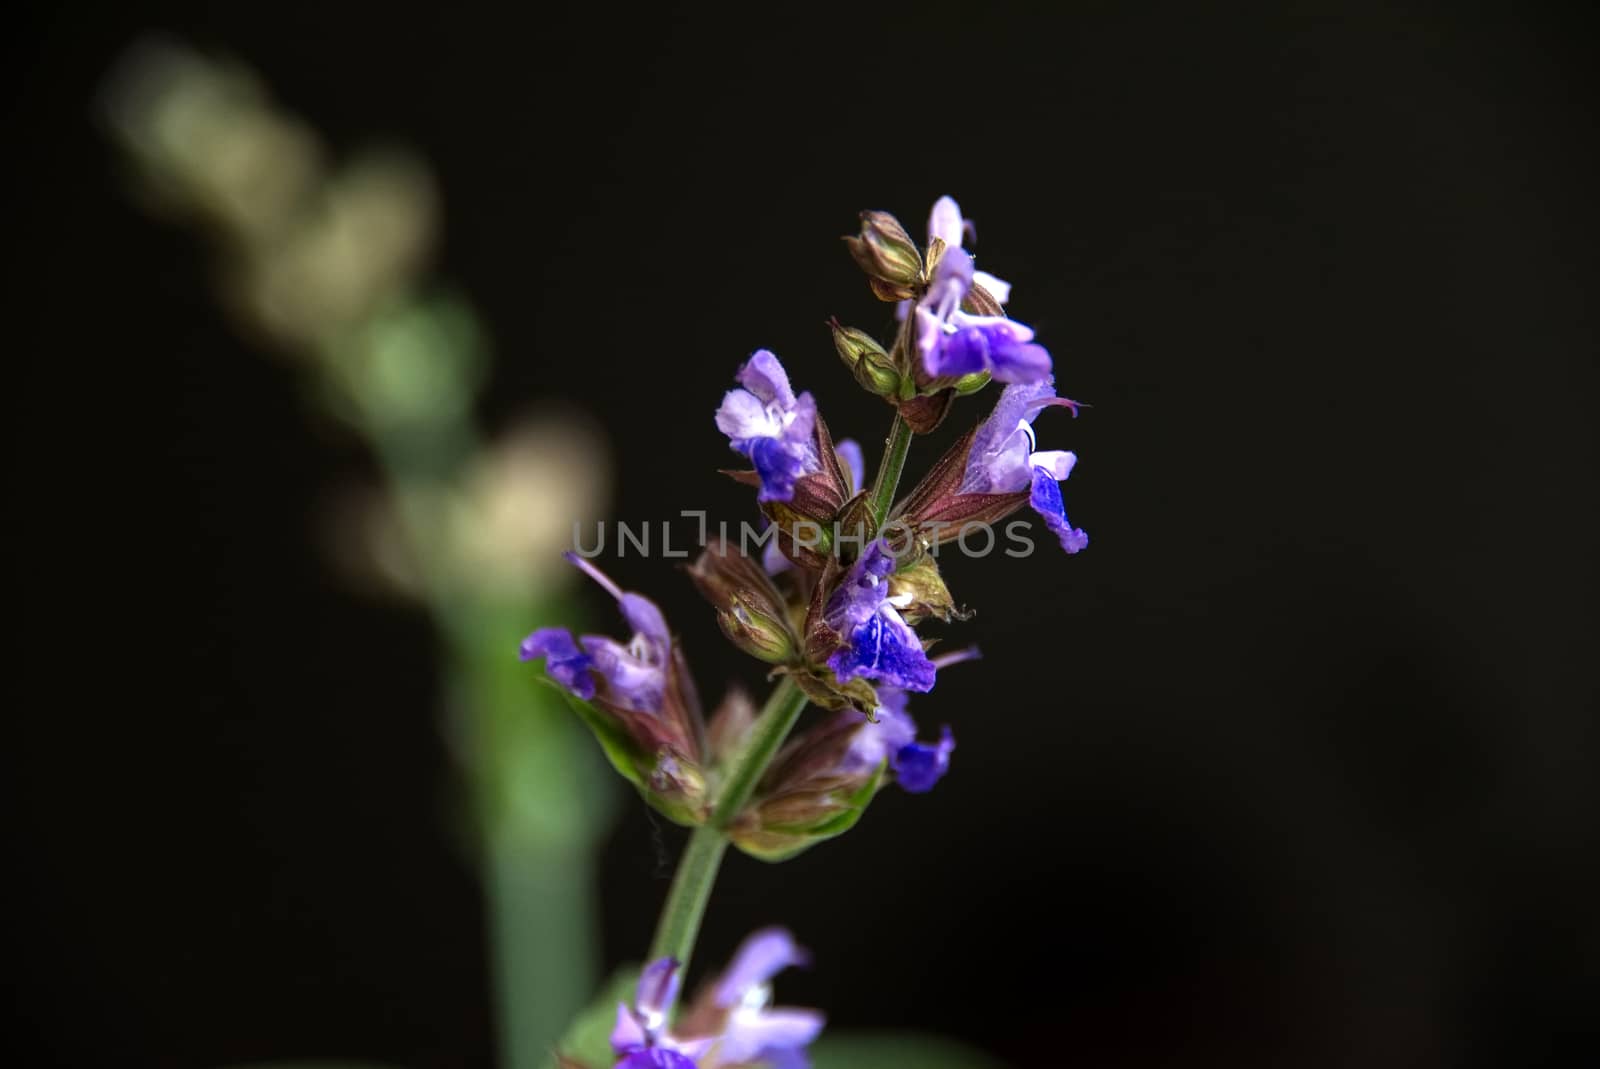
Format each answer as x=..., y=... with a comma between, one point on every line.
x=750, y=610
x=888, y=256
x=871, y=364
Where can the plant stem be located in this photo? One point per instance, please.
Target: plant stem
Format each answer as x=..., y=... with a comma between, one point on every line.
x=691, y=889
x=894, y=460
x=697, y=870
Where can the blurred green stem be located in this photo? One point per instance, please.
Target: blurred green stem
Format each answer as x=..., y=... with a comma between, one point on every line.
x=541, y=919
x=539, y=802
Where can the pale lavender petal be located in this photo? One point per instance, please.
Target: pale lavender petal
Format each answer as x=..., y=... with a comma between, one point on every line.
x=761, y=957
x=764, y=376
x=772, y=559
x=632, y=681
x=849, y=451
x=997, y=462
x=605, y=581
x=944, y=222
x=998, y=288
x=742, y=415
x=752, y=1035
x=930, y=332
x=802, y=421
x=627, y=1034
x=874, y=742
x=1058, y=462
x=945, y=660
x=645, y=619
x=952, y=278
x=992, y=324
x=657, y=991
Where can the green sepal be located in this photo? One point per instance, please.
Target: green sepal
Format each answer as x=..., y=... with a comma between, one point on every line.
x=930, y=597
x=780, y=842
x=614, y=742
x=587, y=1040
x=824, y=690
x=633, y=764
x=967, y=385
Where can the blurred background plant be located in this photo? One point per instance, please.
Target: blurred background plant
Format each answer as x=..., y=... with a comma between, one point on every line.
x=327, y=265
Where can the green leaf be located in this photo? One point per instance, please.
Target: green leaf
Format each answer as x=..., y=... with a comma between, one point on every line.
x=588, y=1038
x=896, y=1050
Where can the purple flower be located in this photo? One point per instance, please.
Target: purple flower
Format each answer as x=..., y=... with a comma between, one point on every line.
x=767, y=423
x=952, y=342
x=892, y=737
x=879, y=644
x=1003, y=458
x=632, y=675
x=733, y=1024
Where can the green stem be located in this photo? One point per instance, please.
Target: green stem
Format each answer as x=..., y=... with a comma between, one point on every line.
x=691, y=890
x=697, y=871
x=894, y=460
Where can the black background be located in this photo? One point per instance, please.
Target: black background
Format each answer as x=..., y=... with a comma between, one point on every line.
x=1294, y=766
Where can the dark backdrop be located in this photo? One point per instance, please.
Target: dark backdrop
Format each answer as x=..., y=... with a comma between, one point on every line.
x=1293, y=767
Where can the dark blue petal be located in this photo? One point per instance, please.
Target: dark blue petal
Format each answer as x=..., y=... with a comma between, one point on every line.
x=918, y=766
x=779, y=462
x=1045, y=497
x=564, y=662
x=655, y=1058
x=886, y=650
